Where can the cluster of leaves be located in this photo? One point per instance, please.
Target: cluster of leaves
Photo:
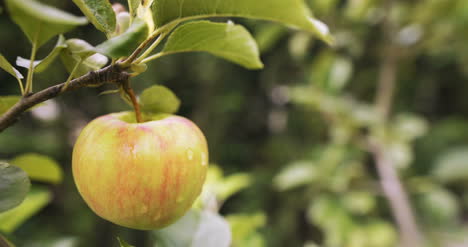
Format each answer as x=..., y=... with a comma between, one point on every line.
x=19, y=200
x=342, y=189
x=130, y=32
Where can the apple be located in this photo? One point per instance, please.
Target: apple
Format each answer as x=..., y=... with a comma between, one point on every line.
x=140, y=175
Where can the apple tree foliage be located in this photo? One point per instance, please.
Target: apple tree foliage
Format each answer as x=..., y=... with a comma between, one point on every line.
x=333, y=178
x=135, y=35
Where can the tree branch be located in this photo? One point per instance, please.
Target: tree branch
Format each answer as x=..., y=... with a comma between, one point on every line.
x=391, y=185
x=110, y=74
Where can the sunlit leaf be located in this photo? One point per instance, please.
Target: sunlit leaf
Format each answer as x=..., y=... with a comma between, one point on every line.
x=359, y=202
x=196, y=229
x=244, y=229
x=293, y=12
x=409, y=126
x=41, y=22
x=381, y=233
x=452, y=166
x=14, y=185
x=232, y=185
x=296, y=174
x=439, y=207
x=99, y=13
x=5, y=65
x=159, y=99
x=36, y=199
x=39, y=167
x=124, y=44
x=219, y=188
x=328, y=213
x=299, y=44
x=227, y=40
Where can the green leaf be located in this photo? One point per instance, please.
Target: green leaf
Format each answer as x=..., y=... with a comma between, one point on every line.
x=99, y=13
x=91, y=63
x=6, y=102
x=226, y=40
x=329, y=214
x=133, y=6
x=41, y=65
x=123, y=243
x=221, y=188
x=159, y=99
x=36, y=199
x=44, y=63
x=80, y=48
x=41, y=22
x=293, y=13
x=244, y=229
x=409, y=126
x=196, y=229
x=296, y=174
x=14, y=185
x=359, y=202
x=124, y=44
x=452, y=166
x=232, y=185
x=439, y=207
x=381, y=233
x=39, y=167
x=5, y=65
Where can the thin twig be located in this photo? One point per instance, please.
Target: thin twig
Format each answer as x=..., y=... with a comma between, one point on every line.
x=29, y=78
x=109, y=74
x=131, y=94
x=153, y=57
x=393, y=189
x=397, y=197
x=142, y=47
x=72, y=74
x=151, y=48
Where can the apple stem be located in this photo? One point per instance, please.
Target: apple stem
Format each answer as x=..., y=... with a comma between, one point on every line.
x=129, y=91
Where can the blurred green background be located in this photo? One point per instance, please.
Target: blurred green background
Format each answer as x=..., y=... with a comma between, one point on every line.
x=290, y=127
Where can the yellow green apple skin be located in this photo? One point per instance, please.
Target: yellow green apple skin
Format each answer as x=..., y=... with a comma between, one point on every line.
x=140, y=175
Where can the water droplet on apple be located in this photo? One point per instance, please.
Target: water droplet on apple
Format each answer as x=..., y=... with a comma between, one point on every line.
x=204, y=159
x=144, y=209
x=190, y=154
x=157, y=216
